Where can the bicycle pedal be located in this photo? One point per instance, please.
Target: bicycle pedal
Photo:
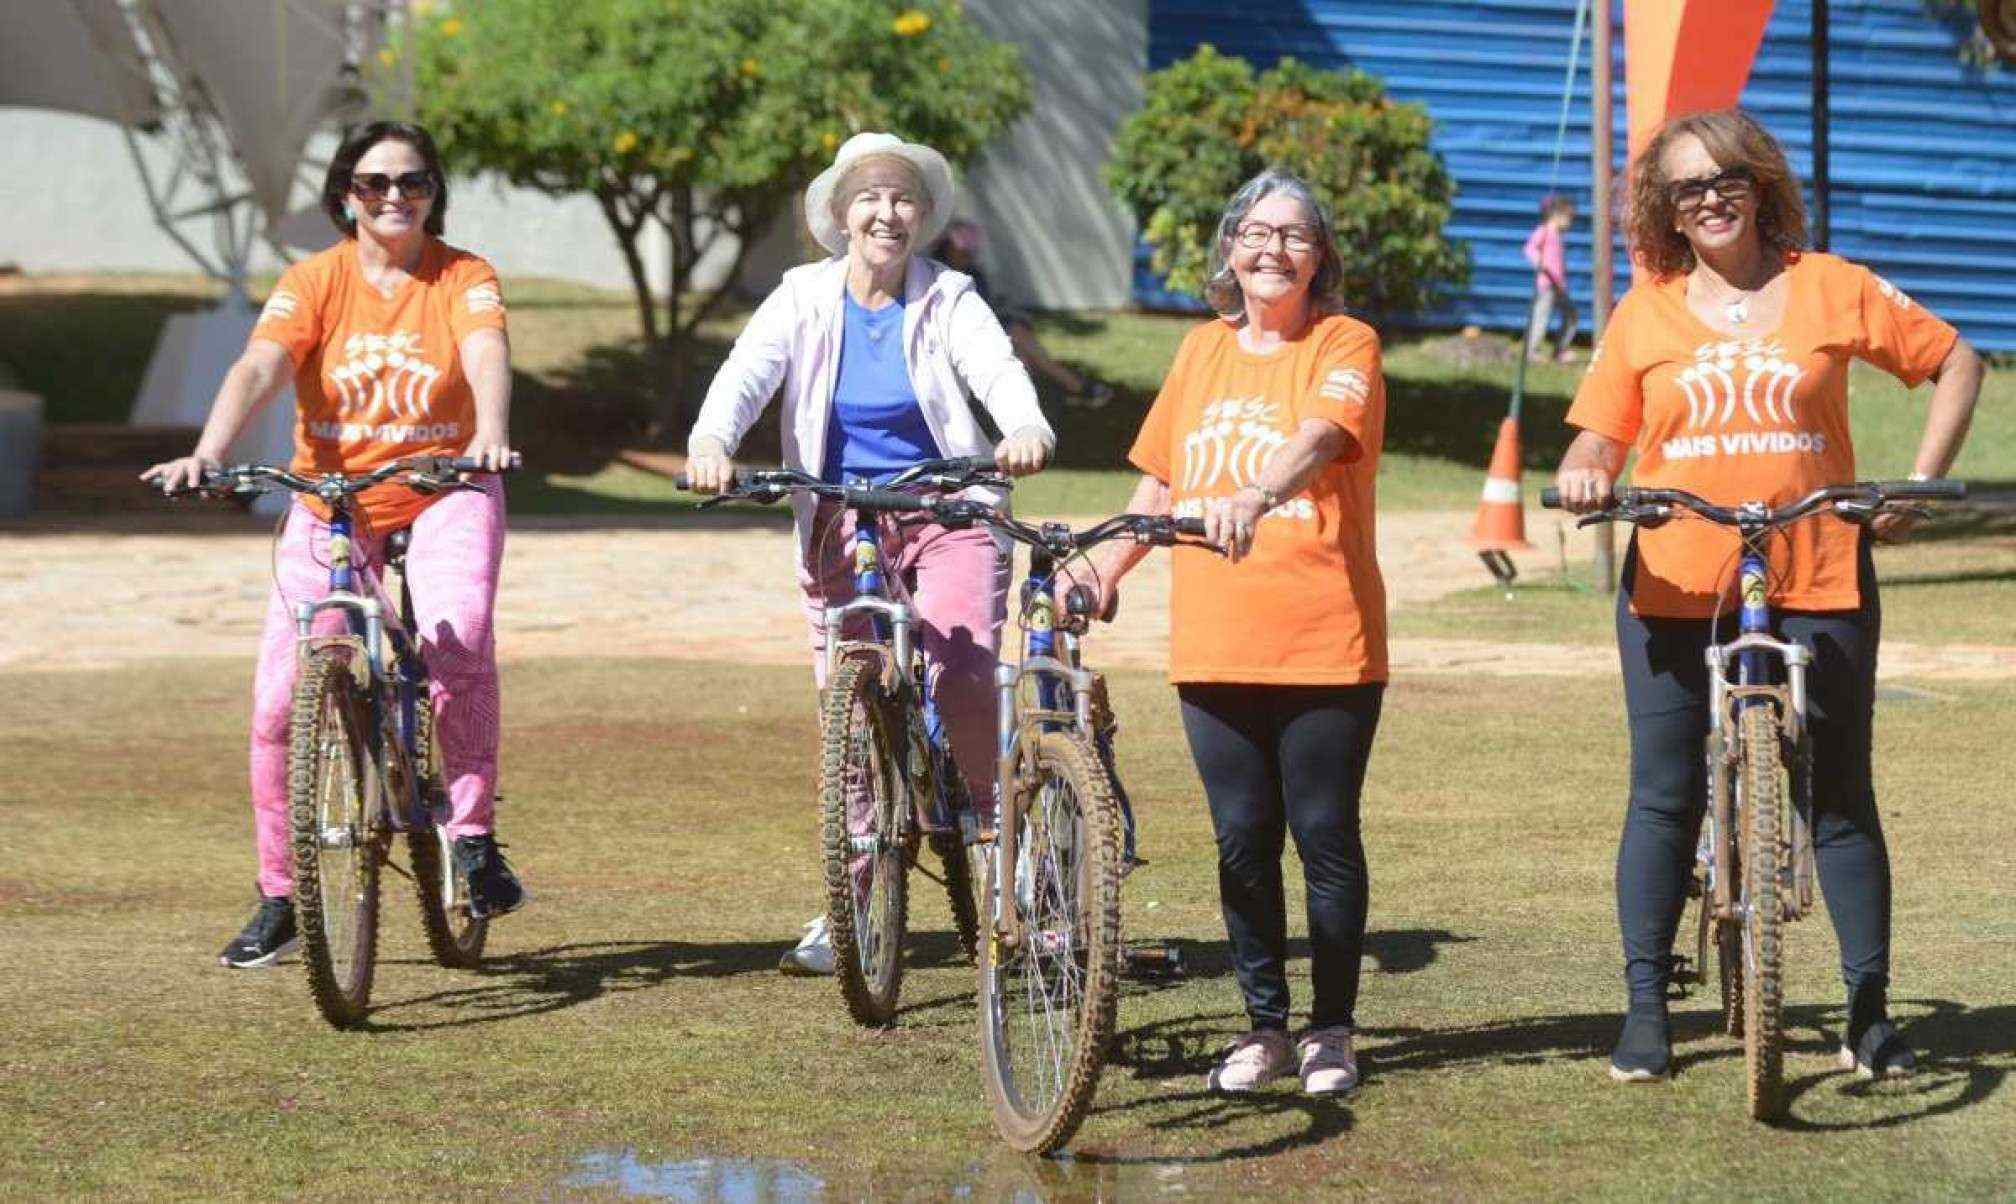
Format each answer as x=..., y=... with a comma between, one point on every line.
x=1152, y=963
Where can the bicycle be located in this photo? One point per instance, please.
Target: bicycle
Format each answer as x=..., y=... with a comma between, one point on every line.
x=1754, y=868
x=1065, y=838
x=362, y=762
x=887, y=782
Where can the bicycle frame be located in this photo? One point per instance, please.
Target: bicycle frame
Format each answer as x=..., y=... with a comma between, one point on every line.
x=373, y=623
x=1750, y=656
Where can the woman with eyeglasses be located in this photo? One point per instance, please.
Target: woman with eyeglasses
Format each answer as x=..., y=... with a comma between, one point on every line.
x=1268, y=427
x=1727, y=371
x=395, y=344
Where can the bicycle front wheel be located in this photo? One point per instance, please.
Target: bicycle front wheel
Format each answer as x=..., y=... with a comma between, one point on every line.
x=339, y=840
x=454, y=937
x=1763, y=850
x=865, y=836
x=1048, y=1006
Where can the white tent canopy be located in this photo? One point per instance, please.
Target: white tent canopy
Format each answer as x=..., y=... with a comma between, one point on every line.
x=78, y=56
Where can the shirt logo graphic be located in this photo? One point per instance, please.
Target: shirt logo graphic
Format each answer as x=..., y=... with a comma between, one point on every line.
x=1768, y=381
x=279, y=307
x=1233, y=439
x=484, y=299
x=1346, y=384
x=1895, y=295
x=383, y=371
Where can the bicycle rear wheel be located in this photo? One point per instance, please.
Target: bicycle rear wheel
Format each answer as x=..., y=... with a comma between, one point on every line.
x=338, y=835
x=1758, y=766
x=454, y=937
x=962, y=884
x=1047, y=1007
x=865, y=838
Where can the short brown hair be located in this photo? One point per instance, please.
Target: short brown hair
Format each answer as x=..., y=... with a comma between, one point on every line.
x=336, y=184
x=1734, y=139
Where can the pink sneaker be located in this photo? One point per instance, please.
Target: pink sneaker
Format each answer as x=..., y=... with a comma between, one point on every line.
x=1329, y=1065
x=1254, y=1060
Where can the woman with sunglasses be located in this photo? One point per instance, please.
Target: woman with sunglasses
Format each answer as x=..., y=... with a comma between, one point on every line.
x=395, y=344
x=1727, y=370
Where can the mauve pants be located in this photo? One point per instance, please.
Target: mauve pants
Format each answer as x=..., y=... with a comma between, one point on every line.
x=958, y=583
x=452, y=562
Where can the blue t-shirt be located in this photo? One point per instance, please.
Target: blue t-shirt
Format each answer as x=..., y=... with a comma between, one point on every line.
x=877, y=428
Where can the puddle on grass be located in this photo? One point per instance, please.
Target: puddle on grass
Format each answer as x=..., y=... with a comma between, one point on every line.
x=1007, y=1177
x=701, y=1180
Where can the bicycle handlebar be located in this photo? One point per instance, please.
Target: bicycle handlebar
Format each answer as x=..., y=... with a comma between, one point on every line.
x=1857, y=500
x=427, y=472
x=770, y=485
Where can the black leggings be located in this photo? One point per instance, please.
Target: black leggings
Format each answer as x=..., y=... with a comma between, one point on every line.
x=1274, y=760
x=1666, y=694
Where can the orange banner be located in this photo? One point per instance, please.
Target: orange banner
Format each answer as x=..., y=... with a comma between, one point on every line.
x=1684, y=56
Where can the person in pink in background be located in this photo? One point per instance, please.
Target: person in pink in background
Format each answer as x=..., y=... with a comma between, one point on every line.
x=1545, y=252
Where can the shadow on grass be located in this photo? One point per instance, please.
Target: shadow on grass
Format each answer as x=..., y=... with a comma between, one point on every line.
x=1400, y=951
x=548, y=980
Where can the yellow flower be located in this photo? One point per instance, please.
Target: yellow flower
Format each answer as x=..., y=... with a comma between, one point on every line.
x=387, y=55
x=829, y=140
x=451, y=27
x=559, y=108
x=424, y=8
x=751, y=68
x=625, y=142
x=911, y=22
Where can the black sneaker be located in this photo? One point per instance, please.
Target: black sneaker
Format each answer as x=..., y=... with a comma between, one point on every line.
x=1644, y=1052
x=493, y=889
x=1879, y=1053
x=269, y=934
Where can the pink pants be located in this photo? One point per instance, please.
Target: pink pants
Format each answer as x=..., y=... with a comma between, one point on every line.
x=451, y=564
x=958, y=583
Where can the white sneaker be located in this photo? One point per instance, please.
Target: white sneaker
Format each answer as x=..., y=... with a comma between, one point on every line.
x=1329, y=1065
x=814, y=955
x=1253, y=1061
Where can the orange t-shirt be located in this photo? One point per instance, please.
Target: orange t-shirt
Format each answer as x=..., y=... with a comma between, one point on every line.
x=377, y=380
x=1307, y=606
x=1750, y=419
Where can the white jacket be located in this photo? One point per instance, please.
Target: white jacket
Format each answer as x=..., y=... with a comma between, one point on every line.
x=954, y=345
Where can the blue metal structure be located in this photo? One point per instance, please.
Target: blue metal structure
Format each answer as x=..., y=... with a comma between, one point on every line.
x=1923, y=146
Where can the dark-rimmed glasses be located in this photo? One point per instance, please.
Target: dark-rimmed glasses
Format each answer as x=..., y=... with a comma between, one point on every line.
x=1734, y=184
x=1299, y=239
x=376, y=185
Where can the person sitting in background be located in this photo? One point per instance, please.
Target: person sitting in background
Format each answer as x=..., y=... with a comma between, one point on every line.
x=1550, y=281
x=959, y=249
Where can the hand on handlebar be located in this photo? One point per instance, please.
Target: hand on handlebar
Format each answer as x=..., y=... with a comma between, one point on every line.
x=1585, y=490
x=1104, y=590
x=1022, y=453
x=1895, y=524
x=709, y=469
x=180, y=475
x=494, y=454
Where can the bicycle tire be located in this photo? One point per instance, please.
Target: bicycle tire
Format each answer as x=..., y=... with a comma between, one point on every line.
x=338, y=836
x=454, y=937
x=1758, y=762
x=962, y=885
x=1038, y=1092
x=860, y=741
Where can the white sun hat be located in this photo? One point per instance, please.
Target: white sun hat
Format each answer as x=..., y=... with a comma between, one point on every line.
x=931, y=168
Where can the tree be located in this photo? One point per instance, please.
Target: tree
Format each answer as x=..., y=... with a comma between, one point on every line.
x=1209, y=124
x=700, y=116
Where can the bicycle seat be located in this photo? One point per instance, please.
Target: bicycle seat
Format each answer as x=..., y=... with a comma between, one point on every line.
x=395, y=546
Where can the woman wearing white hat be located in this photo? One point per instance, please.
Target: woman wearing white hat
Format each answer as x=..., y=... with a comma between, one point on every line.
x=881, y=353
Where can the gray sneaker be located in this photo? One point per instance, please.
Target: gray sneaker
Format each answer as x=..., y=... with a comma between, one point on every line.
x=1253, y=1061
x=1329, y=1064
x=814, y=955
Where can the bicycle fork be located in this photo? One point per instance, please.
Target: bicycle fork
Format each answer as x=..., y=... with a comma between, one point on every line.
x=1750, y=656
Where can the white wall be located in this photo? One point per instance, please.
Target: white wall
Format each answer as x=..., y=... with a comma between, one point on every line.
x=70, y=199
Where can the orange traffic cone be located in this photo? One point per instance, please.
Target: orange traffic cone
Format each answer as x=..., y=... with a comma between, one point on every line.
x=1501, y=520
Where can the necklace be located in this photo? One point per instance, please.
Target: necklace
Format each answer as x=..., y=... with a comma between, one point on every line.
x=1737, y=311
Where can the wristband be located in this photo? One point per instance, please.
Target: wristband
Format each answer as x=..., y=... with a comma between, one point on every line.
x=1268, y=498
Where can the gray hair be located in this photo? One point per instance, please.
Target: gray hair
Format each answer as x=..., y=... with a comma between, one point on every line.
x=1222, y=291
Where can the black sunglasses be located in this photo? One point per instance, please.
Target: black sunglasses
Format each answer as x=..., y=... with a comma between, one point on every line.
x=374, y=186
x=1732, y=185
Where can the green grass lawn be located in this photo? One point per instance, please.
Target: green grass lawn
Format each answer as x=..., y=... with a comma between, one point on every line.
x=584, y=387
x=632, y=1022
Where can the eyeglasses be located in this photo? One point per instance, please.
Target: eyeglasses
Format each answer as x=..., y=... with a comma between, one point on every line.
x=375, y=186
x=1733, y=185
x=1296, y=239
